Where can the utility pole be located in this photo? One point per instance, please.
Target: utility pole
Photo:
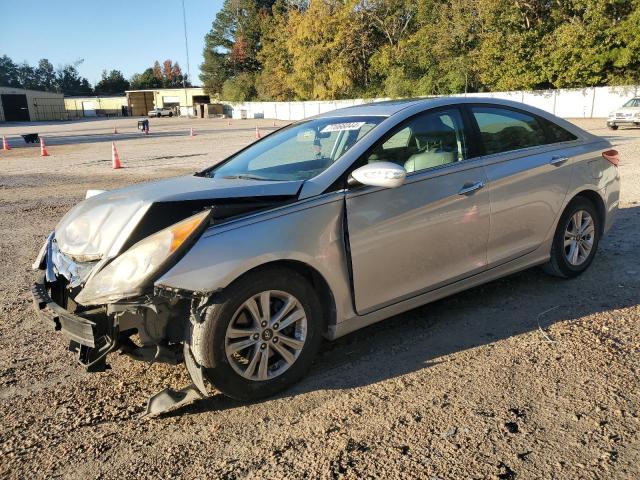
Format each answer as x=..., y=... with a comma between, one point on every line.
x=186, y=47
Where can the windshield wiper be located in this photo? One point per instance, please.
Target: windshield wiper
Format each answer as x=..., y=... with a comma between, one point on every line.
x=245, y=177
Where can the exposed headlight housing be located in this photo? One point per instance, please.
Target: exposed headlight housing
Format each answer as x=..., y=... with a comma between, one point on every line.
x=130, y=273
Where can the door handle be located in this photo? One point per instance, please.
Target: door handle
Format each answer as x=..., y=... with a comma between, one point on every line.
x=557, y=161
x=469, y=188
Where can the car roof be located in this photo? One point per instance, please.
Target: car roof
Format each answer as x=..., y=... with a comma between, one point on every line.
x=384, y=108
x=389, y=108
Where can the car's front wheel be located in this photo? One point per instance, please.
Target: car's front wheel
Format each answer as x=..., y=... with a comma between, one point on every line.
x=261, y=335
x=613, y=127
x=575, y=241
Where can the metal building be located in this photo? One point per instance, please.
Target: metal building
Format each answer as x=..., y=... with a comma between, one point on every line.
x=185, y=101
x=21, y=105
x=105, y=106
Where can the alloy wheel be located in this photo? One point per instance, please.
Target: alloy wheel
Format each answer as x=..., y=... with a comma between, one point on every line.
x=266, y=335
x=578, y=238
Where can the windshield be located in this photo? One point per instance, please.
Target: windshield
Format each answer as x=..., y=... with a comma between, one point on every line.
x=634, y=102
x=298, y=152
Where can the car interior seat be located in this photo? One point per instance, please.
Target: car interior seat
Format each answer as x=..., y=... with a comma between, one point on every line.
x=436, y=143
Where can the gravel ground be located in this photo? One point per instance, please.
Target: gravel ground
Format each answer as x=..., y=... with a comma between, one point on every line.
x=525, y=377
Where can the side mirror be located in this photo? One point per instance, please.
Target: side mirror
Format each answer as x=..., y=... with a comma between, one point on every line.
x=380, y=174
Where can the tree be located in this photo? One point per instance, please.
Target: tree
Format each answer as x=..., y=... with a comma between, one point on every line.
x=46, y=75
x=169, y=75
x=27, y=76
x=69, y=81
x=625, y=56
x=8, y=72
x=239, y=88
x=157, y=71
x=590, y=44
x=112, y=83
x=343, y=48
x=65, y=79
x=145, y=80
x=330, y=45
x=178, y=78
x=272, y=82
x=233, y=43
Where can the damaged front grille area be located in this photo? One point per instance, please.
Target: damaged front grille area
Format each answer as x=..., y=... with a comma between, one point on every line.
x=59, y=264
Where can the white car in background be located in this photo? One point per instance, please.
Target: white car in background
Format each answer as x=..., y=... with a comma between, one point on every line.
x=628, y=114
x=160, y=112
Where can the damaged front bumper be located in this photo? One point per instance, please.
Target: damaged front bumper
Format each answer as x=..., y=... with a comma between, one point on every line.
x=91, y=333
x=94, y=332
x=158, y=321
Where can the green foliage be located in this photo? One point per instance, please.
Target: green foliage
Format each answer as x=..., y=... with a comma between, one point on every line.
x=239, y=88
x=272, y=80
x=65, y=79
x=145, y=80
x=232, y=45
x=165, y=75
x=325, y=49
x=112, y=83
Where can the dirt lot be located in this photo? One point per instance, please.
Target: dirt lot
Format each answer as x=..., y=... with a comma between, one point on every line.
x=484, y=384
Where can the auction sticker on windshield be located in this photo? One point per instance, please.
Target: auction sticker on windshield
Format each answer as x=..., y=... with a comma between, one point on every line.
x=339, y=127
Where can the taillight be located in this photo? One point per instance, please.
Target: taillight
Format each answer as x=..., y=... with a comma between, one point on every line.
x=612, y=156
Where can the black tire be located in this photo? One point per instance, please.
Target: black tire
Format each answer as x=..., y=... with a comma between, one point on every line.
x=612, y=127
x=559, y=265
x=208, y=338
x=171, y=114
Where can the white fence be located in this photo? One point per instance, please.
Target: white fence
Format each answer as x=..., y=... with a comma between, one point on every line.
x=593, y=102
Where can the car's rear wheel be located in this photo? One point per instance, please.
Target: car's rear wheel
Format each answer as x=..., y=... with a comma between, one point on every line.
x=613, y=127
x=575, y=241
x=261, y=336
x=171, y=114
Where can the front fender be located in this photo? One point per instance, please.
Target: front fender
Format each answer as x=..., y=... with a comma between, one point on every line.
x=310, y=232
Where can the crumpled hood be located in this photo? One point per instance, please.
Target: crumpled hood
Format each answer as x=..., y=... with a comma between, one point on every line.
x=100, y=225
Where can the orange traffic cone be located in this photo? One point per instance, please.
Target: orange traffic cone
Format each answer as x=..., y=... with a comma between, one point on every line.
x=5, y=143
x=115, y=130
x=43, y=148
x=115, y=159
x=228, y=123
x=274, y=123
x=258, y=133
x=192, y=134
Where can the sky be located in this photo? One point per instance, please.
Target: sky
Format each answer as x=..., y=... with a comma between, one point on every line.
x=114, y=34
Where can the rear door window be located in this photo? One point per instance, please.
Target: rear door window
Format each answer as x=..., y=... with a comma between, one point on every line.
x=504, y=130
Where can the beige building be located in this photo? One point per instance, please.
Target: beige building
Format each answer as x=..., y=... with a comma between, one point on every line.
x=184, y=101
x=78, y=107
x=20, y=105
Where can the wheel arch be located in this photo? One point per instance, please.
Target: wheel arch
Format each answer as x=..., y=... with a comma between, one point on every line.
x=315, y=278
x=596, y=199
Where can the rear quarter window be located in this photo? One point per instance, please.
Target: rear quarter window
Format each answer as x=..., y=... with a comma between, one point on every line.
x=556, y=133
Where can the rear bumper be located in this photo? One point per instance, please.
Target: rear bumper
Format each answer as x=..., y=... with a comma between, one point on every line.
x=623, y=121
x=92, y=334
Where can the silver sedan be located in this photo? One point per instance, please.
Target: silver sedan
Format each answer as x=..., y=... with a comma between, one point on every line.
x=321, y=228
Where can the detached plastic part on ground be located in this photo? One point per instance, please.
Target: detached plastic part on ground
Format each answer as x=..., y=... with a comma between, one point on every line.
x=169, y=399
